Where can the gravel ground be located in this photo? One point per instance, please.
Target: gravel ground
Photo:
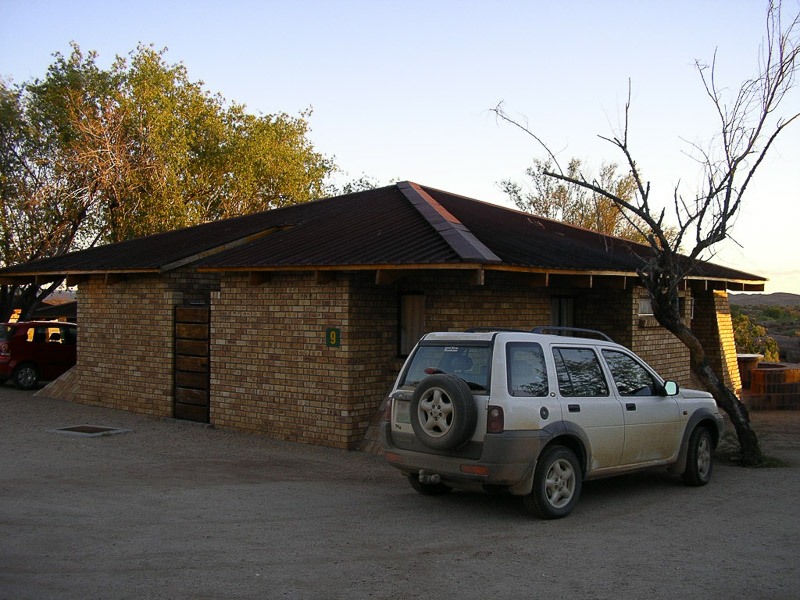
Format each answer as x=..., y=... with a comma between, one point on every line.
x=176, y=510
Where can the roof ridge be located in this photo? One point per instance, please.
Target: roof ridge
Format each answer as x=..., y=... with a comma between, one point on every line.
x=454, y=232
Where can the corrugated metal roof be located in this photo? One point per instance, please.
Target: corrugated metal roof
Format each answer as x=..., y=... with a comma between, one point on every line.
x=402, y=225
x=366, y=228
x=526, y=240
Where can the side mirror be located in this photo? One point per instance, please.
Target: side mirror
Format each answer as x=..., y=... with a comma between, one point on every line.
x=670, y=388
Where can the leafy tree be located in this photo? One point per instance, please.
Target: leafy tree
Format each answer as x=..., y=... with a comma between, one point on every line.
x=752, y=338
x=93, y=156
x=749, y=121
x=574, y=204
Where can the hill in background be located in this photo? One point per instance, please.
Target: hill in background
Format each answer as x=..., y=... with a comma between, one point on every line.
x=776, y=299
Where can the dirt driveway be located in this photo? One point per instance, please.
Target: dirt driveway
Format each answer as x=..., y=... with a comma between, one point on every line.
x=174, y=510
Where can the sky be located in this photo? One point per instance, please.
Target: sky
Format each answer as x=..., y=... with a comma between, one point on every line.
x=403, y=90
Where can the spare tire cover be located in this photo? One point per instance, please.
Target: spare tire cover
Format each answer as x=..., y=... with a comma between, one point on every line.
x=443, y=412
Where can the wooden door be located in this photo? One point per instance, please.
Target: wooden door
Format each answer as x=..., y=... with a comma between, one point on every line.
x=192, y=377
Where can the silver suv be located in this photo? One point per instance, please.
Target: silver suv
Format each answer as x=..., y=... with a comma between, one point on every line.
x=536, y=414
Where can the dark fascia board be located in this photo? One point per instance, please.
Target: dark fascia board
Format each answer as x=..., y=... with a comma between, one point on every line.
x=460, y=239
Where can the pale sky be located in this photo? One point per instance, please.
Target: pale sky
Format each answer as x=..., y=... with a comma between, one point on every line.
x=402, y=90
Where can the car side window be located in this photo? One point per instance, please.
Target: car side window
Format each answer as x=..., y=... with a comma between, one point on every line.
x=527, y=374
x=630, y=377
x=37, y=335
x=579, y=373
x=69, y=336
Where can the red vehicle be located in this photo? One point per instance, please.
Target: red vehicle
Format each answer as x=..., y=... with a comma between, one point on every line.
x=32, y=351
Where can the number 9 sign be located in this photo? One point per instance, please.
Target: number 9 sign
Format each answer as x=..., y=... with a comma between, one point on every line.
x=333, y=338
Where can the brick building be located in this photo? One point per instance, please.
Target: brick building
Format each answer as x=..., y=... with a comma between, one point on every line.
x=292, y=323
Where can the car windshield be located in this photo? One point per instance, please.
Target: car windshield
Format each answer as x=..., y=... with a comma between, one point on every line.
x=5, y=332
x=470, y=363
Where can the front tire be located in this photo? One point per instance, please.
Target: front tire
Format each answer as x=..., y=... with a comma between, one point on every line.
x=557, y=484
x=699, y=461
x=26, y=376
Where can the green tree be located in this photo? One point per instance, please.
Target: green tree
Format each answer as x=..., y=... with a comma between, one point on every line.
x=93, y=155
x=752, y=338
x=574, y=204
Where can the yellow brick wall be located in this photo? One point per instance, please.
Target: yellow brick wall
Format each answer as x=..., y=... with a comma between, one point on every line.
x=271, y=371
x=662, y=350
x=727, y=359
x=125, y=345
x=273, y=374
x=713, y=326
x=125, y=339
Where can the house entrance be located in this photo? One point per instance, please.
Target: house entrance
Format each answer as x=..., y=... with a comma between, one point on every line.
x=192, y=335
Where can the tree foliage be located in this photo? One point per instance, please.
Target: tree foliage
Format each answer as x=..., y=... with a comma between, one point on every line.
x=749, y=122
x=752, y=338
x=92, y=155
x=574, y=204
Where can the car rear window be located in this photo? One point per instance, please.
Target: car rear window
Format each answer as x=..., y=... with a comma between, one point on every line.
x=469, y=362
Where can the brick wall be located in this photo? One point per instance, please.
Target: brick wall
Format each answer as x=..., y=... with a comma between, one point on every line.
x=271, y=371
x=273, y=374
x=714, y=328
x=453, y=304
x=125, y=348
x=662, y=350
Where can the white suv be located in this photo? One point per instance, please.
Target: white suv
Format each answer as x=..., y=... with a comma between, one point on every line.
x=536, y=414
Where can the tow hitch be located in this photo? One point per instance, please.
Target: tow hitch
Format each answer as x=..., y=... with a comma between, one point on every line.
x=429, y=478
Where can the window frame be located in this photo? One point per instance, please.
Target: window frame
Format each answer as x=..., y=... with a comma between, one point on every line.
x=406, y=340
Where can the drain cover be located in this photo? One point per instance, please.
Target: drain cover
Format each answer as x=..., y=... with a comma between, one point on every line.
x=89, y=430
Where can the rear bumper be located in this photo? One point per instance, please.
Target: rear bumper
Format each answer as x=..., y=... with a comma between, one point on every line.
x=506, y=459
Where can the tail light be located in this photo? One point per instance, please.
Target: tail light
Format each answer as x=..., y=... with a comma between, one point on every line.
x=495, y=420
x=387, y=412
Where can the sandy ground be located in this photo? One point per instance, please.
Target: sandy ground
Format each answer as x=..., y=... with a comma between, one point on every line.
x=175, y=510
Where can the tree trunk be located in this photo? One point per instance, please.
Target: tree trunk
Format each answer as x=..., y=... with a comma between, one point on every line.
x=666, y=309
x=736, y=410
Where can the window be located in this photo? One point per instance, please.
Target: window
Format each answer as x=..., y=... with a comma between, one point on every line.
x=630, y=377
x=645, y=307
x=527, y=374
x=470, y=363
x=579, y=373
x=411, y=322
x=51, y=335
x=562, y=311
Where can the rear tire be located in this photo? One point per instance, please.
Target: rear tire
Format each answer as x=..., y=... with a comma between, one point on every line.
x=26, y=376
x=556, y=484
x=699, y=458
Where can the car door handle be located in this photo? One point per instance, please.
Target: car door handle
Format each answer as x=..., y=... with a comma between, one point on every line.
x=630, y=406
x=574, y=407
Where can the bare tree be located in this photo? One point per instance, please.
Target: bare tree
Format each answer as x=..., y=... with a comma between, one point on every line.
x=749, y=123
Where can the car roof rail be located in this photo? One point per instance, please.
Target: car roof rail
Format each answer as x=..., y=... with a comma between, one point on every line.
x=545, y=329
